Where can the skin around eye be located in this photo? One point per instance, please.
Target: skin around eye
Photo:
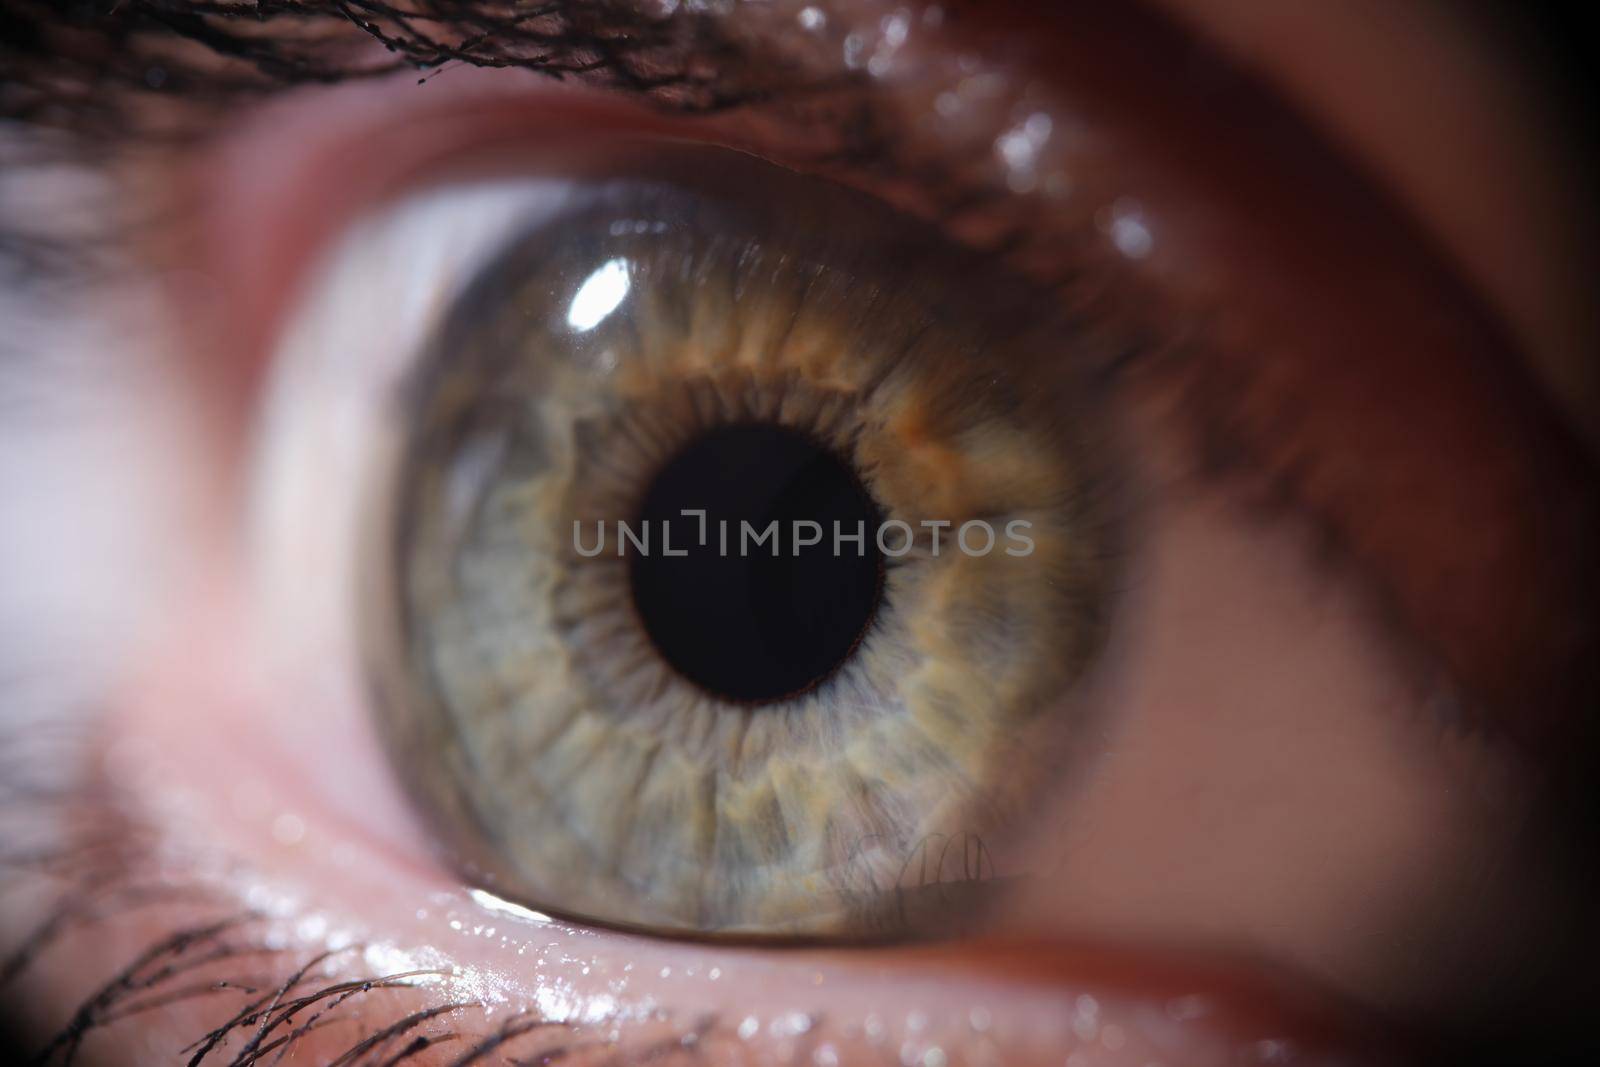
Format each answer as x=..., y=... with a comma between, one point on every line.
x=1348, y=796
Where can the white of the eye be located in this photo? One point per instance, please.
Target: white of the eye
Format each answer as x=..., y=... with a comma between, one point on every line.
x=600, y=294
x=363, y=314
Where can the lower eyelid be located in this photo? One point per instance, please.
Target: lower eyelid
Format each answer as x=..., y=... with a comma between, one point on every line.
x=322, y=884
x=264, y=746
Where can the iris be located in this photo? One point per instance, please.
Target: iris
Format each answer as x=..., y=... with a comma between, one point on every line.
x=685, y=732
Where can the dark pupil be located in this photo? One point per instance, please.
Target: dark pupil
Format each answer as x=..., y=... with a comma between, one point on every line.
x=744, y=624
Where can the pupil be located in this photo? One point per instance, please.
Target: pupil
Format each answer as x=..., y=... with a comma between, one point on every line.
x=744, y=624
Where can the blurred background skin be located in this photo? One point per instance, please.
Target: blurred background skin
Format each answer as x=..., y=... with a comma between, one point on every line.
x=1471, y=118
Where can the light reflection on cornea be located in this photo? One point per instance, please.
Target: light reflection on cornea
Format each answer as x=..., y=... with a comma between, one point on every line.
x=599, y=295
x=485, y=899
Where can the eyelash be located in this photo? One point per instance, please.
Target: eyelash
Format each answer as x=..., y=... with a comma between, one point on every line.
x=77, y=87
x=102, y=866
x=153, y=86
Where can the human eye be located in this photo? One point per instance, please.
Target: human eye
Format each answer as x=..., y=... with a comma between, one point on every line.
x=822, y=534
x=741, y=552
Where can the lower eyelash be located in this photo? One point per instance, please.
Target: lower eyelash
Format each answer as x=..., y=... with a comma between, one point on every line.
x=102, y=869
x=106, y=869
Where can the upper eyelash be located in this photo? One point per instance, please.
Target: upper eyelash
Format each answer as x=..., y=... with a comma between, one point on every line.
x=163, y=72
x=170, y=49
x=154, y=74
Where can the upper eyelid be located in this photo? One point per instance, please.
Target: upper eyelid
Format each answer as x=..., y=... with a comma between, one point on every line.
x=1475, y=142
x=967, y=173
x=151, y=79
x=821, y=74
x=823, y=77
x=700, y=59
x=685, y=60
